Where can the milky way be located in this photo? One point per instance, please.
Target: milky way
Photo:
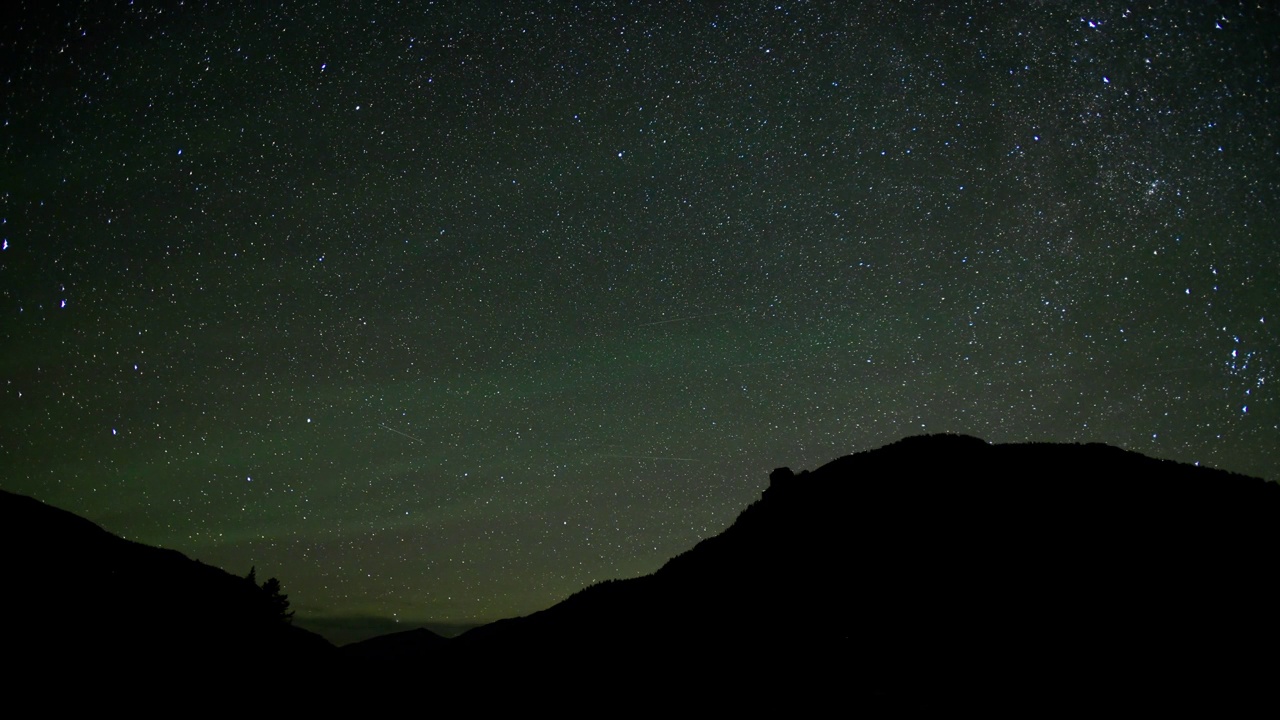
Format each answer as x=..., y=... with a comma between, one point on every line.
x=440, y=312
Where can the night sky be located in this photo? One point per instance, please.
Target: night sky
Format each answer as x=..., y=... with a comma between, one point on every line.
x=440, y=312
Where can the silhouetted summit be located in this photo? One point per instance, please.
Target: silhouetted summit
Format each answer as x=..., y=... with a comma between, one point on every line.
x=943, y=562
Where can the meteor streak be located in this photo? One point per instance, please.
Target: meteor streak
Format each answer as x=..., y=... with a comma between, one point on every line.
x=649, y=457
x=384, y=427
x=680, y=319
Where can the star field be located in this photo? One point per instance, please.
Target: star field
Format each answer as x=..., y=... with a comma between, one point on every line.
x=442, y=311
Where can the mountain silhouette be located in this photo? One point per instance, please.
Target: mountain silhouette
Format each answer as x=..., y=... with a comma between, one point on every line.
x=933, y=569
x=81, y=602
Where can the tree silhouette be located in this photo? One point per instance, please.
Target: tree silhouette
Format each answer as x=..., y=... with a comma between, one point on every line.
x=277, y=602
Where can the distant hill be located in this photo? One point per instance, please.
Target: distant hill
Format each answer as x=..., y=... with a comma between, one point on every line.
x=934, y=566
x=79, y=601
x=402, y=649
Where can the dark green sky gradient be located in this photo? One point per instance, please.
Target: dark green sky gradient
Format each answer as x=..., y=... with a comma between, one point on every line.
x=443, y=312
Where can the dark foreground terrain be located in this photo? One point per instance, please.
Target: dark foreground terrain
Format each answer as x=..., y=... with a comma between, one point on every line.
x=932, y=570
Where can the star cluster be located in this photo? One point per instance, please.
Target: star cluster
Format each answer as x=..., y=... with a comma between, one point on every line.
x=442, y=311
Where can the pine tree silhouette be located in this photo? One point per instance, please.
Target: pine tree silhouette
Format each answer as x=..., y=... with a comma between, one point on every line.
x=276, y=601
x=279, y=601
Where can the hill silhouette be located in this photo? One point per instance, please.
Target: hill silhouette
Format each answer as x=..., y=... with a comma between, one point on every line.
x=934, y=568
x=82, y=602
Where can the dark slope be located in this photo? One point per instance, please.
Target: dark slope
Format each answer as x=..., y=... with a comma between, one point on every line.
x=80, y=601
x=933, y=566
